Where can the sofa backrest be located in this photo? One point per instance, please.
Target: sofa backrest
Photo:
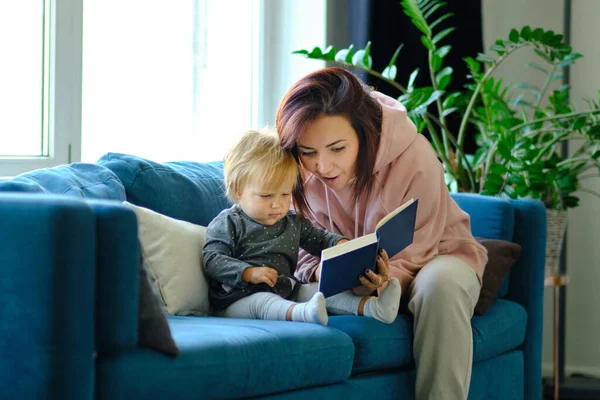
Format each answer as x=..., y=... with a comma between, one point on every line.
x=83, y=180
x=493, y=218
x=185, y=190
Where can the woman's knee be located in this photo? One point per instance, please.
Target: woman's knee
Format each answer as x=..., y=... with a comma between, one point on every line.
x=446, y=279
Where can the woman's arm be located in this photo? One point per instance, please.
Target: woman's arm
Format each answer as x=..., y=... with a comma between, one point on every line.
x=428, y=185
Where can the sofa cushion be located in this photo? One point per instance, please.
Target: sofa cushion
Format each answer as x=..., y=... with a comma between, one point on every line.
x=153, y=328
x=89, y=181
x=185, y=190
x=491, y=218
x=502, y=255
x=380, y=346
x=229, y=358
x=172, y=254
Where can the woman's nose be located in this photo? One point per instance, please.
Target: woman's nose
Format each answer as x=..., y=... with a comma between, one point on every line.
x=323, y=165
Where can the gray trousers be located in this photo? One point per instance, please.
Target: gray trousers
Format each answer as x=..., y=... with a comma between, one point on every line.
x=442, y=299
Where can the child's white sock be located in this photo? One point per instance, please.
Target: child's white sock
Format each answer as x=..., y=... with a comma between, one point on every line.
x=385, y=307
x=312, y=311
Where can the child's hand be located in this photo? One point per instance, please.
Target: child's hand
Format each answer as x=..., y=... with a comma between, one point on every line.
x=260, y=275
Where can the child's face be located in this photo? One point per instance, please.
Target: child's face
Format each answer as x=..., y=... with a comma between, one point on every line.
x=266, y=205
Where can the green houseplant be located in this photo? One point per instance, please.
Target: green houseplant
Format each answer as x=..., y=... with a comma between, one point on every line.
x=520, y=128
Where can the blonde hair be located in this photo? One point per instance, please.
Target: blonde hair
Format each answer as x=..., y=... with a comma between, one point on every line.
x=258, y=158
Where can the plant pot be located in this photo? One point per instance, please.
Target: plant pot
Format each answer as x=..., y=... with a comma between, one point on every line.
x=556, y=227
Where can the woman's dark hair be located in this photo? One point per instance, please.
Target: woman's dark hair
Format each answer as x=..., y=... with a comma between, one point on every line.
x=332, y=92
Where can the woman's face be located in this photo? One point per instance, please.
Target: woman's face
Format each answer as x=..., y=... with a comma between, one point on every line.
x=328, y=148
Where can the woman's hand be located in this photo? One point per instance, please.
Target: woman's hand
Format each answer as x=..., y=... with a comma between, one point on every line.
x=260, y=275
x=372, y=281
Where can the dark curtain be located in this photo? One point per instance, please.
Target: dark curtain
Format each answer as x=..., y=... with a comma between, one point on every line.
x=384, y=23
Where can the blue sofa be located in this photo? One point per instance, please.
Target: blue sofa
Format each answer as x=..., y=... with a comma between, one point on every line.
x=69, y=299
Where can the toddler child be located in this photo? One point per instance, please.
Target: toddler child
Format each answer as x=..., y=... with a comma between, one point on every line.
x=251, y=249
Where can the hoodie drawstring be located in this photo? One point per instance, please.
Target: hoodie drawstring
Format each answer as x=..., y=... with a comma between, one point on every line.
x=328, y=208
x=355, y=220
x=329, y=212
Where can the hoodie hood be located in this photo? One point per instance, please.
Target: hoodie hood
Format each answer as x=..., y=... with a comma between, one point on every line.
x=396, y=135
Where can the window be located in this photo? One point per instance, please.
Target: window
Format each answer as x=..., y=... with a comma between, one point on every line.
x=168, y=78
x=174, y=80
x=40, y=77
x=164, y=80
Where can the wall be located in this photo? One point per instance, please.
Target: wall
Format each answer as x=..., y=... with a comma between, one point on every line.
x=583, y=296
x=583, y=316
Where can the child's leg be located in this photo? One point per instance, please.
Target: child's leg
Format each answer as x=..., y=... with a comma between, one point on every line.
x=383, y=308
x=265, y=305
x=306, y=291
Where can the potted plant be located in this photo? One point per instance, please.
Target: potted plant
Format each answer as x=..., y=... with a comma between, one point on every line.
x=518, y=139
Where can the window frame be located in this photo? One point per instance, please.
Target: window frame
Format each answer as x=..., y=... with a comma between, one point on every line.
x=62, y=117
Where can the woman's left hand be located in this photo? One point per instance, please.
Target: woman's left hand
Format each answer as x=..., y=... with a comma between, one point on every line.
x=373, y=281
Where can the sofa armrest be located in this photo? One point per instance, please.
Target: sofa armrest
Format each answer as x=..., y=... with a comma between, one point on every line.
x=47, y=257
x=117, y=278
x=526, y=286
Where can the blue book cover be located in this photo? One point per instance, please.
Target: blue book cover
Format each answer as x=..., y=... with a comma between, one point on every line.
x=342, y=265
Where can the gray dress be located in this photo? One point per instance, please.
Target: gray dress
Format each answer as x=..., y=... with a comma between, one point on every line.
x=234, y=242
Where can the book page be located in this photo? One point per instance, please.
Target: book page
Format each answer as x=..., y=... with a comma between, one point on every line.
x=348, y=246
x=396, y=211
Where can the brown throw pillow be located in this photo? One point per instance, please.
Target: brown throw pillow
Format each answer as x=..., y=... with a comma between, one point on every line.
x=153, y=328
x=501, y=257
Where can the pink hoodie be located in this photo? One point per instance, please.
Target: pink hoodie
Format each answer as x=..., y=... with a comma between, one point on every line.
x=406, y=167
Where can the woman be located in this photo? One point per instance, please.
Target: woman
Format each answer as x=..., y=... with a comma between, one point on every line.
x=362, y=157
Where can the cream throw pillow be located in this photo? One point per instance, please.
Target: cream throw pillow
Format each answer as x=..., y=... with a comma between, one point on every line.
x=172, y=251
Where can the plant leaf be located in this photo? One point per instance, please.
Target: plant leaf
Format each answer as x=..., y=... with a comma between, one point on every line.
x=442, y=34
x=526, y=32
x=439, y=20
x=484, y=58
x=499, y=169
x=436, y=62
x=514, y=36
x=390, y=72
x=345, y=55
x=443, y=51
x=555, y=76
x=433, y=9
x=545, y=56
x=443, y=78
x=448, y=111
x=395, y=56
x=316, y=53
x=537, y=66
x=569, y=59
x=329, y=53
x=427, y=43
x=450, y=100
x=537, y=34
x=359, y=59
x=411, y=80
x=473, y=65
x=412, y=9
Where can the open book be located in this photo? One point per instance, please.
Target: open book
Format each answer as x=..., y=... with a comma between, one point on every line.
x=342, y=265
